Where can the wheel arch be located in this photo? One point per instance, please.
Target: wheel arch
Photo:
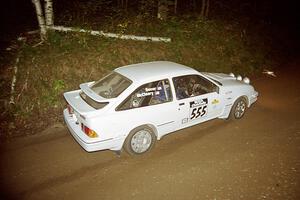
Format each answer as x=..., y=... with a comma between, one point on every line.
x=246, y=99
x=233, y=102
x=148, y=126
x=151, y=126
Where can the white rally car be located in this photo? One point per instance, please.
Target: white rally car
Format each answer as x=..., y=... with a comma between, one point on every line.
x=136, y=105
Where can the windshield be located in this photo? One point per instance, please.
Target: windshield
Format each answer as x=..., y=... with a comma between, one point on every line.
x=111, y=85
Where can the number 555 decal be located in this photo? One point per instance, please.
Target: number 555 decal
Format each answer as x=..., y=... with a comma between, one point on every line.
x=198, y=108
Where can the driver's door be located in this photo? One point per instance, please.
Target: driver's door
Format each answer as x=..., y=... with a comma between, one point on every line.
x=198, y=100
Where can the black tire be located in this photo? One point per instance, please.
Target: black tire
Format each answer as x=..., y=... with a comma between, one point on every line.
x=139, y=141
x=238, y=109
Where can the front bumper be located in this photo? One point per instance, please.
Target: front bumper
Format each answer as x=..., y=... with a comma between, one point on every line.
x=114, y=144
x=253, y=97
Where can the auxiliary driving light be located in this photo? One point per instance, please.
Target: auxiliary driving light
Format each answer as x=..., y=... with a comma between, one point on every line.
x=239, y=77
x=246, y=80
x=232, y=75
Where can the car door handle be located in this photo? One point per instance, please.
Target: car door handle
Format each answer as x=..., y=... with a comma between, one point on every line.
x=181, y=104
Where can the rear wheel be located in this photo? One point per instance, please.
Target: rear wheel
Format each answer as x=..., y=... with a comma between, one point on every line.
x=238, y=109
x=139, y=141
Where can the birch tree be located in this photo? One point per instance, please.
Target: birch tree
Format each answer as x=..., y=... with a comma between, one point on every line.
x=40, y=17
x=49, y=13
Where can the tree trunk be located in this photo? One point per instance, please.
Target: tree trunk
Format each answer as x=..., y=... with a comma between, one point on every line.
x=175, y=6
x=162, y=10
x=207, y=9
x=203, y=8
x=126, y=5
x=40, y=17
x=49, y=13
x=194, y=5
x=112, y=35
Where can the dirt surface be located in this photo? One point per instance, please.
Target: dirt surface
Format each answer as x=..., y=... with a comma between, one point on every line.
x=257, y=157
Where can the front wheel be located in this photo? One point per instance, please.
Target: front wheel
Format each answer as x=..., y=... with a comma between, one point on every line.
x=238, y=109
x=139, y=141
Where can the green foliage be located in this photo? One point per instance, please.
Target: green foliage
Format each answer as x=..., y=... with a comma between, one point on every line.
x=54, y=38
x=58, y=86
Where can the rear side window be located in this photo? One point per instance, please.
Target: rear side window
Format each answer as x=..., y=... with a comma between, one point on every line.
x=111, y=86
x=152, y=93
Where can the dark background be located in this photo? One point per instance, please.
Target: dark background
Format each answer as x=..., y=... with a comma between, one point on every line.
x=280, y=17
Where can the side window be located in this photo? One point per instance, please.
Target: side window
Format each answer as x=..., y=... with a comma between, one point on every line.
x=192, y=85
x=148, y=94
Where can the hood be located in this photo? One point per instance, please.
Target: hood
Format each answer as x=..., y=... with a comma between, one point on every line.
x=225, y=79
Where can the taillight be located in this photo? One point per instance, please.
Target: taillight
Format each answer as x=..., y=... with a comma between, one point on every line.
x=89, y=132
x=70, y=109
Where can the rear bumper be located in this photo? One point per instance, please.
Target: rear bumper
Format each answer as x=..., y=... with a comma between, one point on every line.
x=114, y=144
